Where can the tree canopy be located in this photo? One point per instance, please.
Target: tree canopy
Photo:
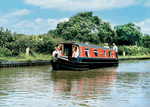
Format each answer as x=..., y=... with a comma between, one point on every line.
x=85, y=27
x=146, y=41
x=81, y=27
x=128, y=34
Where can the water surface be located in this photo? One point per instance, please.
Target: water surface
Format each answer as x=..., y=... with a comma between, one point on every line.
x=127, y=85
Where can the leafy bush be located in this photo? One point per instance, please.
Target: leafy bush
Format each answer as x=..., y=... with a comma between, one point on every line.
x=22, y=55
x=133, y=50
x=5, y=52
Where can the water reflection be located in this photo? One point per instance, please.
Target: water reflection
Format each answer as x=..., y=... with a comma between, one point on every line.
x=127, y=85
x=81, y=84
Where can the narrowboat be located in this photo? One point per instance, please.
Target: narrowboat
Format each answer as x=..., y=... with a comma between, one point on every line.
x=87, y=57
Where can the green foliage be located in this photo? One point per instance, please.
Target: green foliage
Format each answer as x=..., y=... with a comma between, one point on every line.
x=133, y=50
x=5, y=52
x=128, y=34
x=80, y=28
x=85, y=27
x=22, y=55
x=146, y=41
x=13, y=45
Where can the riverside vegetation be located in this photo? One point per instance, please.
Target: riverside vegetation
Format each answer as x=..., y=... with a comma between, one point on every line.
x=80, y=28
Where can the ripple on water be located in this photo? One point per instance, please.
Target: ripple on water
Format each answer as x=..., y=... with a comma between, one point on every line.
x=124, y=86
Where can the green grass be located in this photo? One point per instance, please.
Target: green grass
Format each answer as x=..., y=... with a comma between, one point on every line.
x=138, y=56
x=48, y=57
x=23, y=57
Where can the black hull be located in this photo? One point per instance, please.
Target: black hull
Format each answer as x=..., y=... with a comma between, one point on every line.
x=87, y=63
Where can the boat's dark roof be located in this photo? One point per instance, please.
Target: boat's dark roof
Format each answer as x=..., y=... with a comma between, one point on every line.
x=84, y=45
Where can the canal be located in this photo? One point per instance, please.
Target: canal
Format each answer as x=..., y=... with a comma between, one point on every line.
x=127, y=85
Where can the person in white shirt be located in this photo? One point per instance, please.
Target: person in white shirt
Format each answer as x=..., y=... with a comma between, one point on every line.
x=116, y=49
x=86, y=42
x=59, y=50
x=75, y=52
x=106, y=45
x=55, y=52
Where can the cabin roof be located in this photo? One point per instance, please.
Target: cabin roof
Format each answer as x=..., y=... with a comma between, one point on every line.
x=84, y=45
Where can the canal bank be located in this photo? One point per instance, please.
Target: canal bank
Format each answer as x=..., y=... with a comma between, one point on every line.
x=120, y=59
x=46, y=62
x=24, y=63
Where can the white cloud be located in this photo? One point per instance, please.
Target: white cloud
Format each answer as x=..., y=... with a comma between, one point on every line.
x=38, y=26
x=145, y=26
x=147, y=4
x=39, y=20
x=54, y=22
x=21, y=24
x=82, y=4
x=4, y=21
x=64, y=19
x=113, y=25
x=18, y=13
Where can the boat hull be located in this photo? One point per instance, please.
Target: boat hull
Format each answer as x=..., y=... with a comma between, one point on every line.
x=83, y=64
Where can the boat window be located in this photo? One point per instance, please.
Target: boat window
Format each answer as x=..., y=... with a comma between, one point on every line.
x=104, y=53
x=87, y=54
x=66, y=51
x=95, y=53
x=110, y=54
x=113, y=53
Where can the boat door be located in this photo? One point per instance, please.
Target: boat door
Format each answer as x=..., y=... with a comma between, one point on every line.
x=67, y=50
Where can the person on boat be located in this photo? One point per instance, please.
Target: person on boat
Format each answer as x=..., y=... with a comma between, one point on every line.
x=75, y=52
x=86, y=42
x=116, y=50
x=59, y=50
x=106, y=45
x=55, y=52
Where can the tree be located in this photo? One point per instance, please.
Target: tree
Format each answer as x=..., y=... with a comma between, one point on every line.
x=146, y=41
x=128, y=34
x=85, y=27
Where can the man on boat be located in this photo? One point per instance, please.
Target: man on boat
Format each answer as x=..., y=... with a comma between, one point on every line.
x=55, y=52
x=116, y=49
x=86, y=42
x=106, y=45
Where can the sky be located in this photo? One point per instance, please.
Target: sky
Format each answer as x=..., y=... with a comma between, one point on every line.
x=39, y=16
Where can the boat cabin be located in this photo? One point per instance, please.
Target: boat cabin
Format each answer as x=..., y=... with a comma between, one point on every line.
x=83, y=50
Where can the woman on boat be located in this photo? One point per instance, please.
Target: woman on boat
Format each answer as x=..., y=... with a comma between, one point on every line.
x=59, y=50
x=75, y=52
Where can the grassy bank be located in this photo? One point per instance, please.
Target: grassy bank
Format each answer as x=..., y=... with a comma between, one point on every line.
x=37, y=57
x=141, y=56
x=23, y=57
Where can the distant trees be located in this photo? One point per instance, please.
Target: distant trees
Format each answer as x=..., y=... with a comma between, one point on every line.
x=14, y=44
x=81, y=27
x=146, y=41
x=128, y=34
x=85, y=27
